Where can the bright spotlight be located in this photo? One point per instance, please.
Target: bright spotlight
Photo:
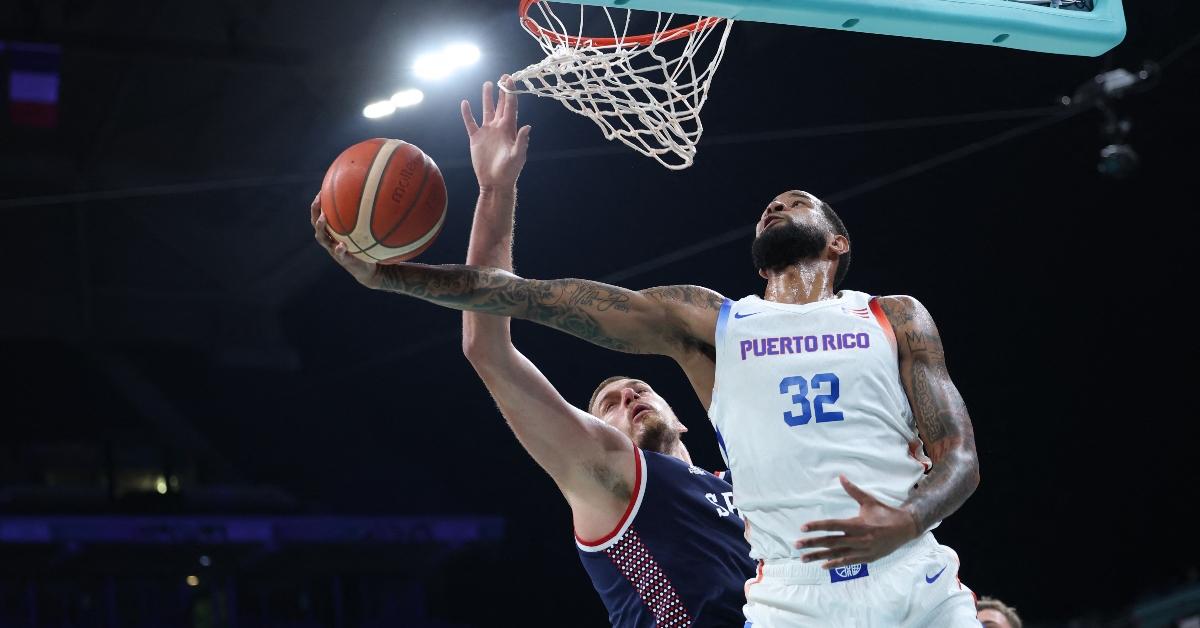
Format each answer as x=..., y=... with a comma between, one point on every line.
x=160, y=485
x=407, y=97
x=461, y=55
x=432, y=66
x=436, y=65
x=379, y=109
x=193, y=581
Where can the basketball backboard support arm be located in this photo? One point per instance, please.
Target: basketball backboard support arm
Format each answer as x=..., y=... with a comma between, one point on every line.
x=1003, y=23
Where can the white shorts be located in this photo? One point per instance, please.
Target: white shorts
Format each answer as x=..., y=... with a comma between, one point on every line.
x=915, y=586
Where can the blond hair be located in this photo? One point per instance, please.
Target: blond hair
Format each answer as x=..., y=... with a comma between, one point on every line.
x=991, y=603
x=596, y=393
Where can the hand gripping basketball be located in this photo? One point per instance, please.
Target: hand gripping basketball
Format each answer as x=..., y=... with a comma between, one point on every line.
x=498, y=148
x=366, y=273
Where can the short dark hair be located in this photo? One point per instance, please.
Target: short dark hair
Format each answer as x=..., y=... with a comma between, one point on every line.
x=839, y=228
x=604, y=383
x=991, y=603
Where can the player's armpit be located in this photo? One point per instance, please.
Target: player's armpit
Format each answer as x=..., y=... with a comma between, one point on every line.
x=662, y=321
x=940, y=412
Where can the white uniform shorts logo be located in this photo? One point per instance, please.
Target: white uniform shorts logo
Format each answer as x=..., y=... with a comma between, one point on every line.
x=849, y=571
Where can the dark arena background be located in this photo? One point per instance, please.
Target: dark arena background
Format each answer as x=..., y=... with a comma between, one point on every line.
x=207, y=423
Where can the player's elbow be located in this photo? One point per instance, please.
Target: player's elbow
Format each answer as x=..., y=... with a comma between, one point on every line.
x=961, y=462
x=486, y=351
x=476, y=348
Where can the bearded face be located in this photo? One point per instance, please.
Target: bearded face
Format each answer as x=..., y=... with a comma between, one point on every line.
x=786, y=243
x=654, y=433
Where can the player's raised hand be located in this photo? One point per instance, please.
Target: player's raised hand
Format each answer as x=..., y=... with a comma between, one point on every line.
x=365, y=272
x=498, y=148
x=876, y=532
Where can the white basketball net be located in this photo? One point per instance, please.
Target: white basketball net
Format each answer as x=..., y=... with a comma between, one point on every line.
x=647, y=94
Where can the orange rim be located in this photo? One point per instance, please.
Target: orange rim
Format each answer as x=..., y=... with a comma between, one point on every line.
x=602, y=42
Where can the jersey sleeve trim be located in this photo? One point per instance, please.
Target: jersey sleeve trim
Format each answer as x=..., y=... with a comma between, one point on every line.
x=719, y=338
x=723, y=320
x=635, y=504
x=883, y=321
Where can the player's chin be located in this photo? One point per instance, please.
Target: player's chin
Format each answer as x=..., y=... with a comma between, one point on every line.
x=656, y=435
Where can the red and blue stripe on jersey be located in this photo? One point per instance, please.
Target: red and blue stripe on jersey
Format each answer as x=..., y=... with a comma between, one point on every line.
x=678, y=556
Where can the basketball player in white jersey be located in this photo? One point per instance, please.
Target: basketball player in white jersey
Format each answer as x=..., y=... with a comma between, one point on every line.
x=815, y=395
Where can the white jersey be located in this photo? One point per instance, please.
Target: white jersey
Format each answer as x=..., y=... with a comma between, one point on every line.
x=804, y=393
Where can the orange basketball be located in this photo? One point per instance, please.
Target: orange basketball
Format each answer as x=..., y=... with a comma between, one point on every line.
x=384, y=199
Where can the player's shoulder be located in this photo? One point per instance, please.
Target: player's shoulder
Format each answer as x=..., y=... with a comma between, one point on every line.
x=901, y=308
x=897, y=300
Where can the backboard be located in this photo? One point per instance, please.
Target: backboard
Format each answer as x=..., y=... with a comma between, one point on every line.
x=1072, y=27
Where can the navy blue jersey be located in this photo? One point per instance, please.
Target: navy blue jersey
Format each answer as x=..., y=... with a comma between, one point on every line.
x=678, y=557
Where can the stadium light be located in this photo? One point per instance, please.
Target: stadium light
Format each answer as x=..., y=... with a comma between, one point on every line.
x=379, y=109
x=432, y=66
x=461, y=55
x=443, y=63
x=407, y=98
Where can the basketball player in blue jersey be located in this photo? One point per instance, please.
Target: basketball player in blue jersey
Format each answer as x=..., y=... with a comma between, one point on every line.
x=659, y=537
x=816, y=396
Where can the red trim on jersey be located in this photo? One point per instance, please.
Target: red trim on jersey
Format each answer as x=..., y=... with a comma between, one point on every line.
x=637, y=486
x=883, y=321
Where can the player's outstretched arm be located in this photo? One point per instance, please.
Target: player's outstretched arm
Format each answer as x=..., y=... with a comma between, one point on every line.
x=590, y=461
x=677, y=321
x=941, y=415
x=670, y=320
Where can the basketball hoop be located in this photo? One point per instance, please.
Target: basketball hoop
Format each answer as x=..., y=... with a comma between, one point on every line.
x=638, y=91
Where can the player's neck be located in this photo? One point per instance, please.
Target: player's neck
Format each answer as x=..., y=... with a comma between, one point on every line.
x=805, y=282
x=680, y=452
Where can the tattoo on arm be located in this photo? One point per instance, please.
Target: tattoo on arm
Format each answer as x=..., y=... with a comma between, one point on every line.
x=569, y=305
x=940, y=413
x=688, y=295
x=693, y=297
x=936, y=406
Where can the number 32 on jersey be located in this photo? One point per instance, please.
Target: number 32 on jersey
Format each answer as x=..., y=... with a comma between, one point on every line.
x=803, y=410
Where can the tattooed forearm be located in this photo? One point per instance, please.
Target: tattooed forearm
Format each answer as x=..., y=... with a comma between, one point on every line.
x=939, y=411
x=568, y=305
x=945, y=428
x=609, y=316
x=602, y=300
x=945, y=488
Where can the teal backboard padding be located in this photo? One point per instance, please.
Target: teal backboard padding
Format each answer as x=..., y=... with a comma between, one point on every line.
x=1002, y=23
